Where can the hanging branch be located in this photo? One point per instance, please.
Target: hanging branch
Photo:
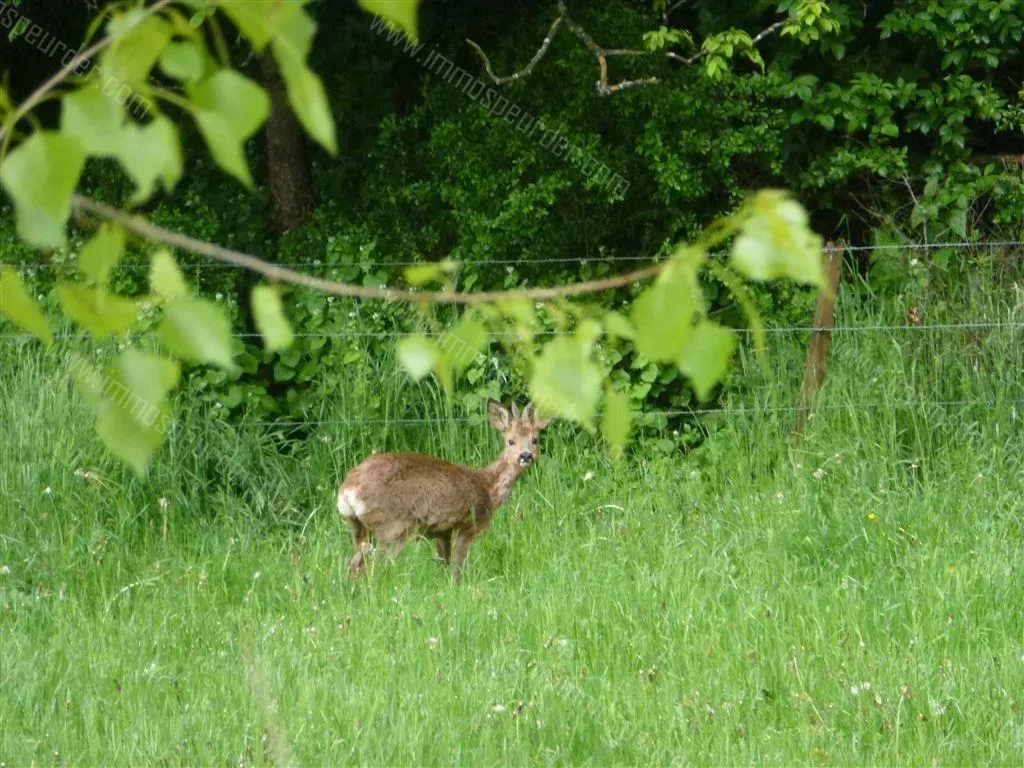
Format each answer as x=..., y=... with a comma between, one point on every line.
x=43, y=90
x=602, y=54
x=498, y=80
x=283, y=274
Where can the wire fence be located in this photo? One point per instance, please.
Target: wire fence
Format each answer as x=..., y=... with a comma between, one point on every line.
x=797, y=329
x=580, y=260
x=677, y=413
x=980, y=324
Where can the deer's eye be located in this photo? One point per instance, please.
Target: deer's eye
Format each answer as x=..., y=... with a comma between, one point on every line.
x=511, y=442
x=535, y=441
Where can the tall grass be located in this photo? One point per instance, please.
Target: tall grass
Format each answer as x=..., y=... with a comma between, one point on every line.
x=851, y=599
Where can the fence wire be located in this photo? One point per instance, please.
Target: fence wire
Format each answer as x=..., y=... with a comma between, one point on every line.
x=677, y=413
x=581, y=260
x=759, y=410
x=978, y=325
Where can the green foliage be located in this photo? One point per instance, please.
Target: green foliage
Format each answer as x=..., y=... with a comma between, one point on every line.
x=268, y=314
x=132, y=409
x=705, y=359
x=229, y=108
x=40, y=175
x=662, y=314
x=19, y=307
x=566, y=382
x=306, y=93
x=400, y=12
x=196, y=330
x=419, y=356
x=616, y=420
x=446, y=182
x=101, y=254
x=97, y=311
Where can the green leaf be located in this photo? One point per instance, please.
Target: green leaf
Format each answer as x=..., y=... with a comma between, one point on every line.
x=97, y=311
x=138, y=43
x=102, y=253
x=520, y=310
x=618, y=325
x=418, y=274
x=565, y=382
x=197, y=330
x=40, y=175
x=18, y=306
x=662, y=314
x=588, y=332
x=418, y=355
x=133, y=413
x=464, y=342
x=149, y=154
x=400, y=12
x=95, y=119
x=776, y=240
x=268, y=314
x=185, y=61
x=705, y=358
x=229, y=109
x=305, y=89
x=261, y=20
x=617, y=420
x=165, y=279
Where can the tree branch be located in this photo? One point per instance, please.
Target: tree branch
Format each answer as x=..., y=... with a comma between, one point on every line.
x=62, y=74
x=672, y=9
x=498, y=80
x=602, y=54
x=284, y=274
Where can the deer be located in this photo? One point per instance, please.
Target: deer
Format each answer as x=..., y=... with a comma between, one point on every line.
x=398, y=496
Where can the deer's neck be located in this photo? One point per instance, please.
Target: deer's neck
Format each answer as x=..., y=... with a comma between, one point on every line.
x=501, y=476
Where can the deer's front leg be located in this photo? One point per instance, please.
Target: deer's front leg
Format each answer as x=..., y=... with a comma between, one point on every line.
x=459, y=552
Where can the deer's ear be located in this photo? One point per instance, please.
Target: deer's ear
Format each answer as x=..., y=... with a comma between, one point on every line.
x=530, y=415
x=498, y=415
x=515, y=412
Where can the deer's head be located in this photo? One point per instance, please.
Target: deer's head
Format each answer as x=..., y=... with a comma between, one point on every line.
x=519, y=431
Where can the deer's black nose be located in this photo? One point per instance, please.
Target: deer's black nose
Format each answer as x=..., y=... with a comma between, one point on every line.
x=525, y=457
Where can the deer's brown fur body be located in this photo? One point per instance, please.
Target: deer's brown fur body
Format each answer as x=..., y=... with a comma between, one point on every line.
x=395, y=496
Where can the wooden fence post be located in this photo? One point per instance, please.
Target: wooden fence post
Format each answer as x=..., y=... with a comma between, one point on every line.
x=821, y=336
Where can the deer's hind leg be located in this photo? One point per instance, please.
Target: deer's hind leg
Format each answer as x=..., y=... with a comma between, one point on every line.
x=361, y=543
x=392, y=537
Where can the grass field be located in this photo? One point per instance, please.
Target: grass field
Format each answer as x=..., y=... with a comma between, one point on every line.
x=855, y=599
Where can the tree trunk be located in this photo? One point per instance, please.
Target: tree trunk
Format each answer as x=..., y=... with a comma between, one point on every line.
x=288, y=163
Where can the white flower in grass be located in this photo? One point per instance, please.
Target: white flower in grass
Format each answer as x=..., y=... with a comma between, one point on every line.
x=587, y=477
x=163, y=505
x=432, y=642
x=818, y=473
x=47, y=491
x=498, y=708
x=5, y=570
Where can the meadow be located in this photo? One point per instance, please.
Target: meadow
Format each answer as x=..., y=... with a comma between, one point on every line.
x=852, y=598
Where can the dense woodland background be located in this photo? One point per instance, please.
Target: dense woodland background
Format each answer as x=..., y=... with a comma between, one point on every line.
x=904, y=124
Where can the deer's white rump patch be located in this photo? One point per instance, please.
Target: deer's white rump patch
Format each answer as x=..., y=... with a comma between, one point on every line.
x=349, y=504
